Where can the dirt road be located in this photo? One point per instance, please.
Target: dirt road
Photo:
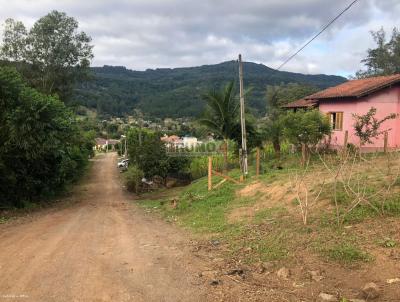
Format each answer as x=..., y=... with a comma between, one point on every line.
x=102, y=248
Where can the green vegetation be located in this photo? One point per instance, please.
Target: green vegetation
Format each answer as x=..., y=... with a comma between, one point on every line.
x=367, y=126
x=177, y=92
x=42, y=148
x=308, y=127
x=148, y=153
x=222, y=115
x=133, y=178
x=261, y=225
x=276, y=97
x=52, y=56
x=385, y=58
x=198, y=209
x=346, y=253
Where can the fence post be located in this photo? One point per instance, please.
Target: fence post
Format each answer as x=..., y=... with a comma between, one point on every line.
x=385, y=142
x=209, y=173
x=345, y=141
x=258, y=161
x=346, y=138
x=303, y=154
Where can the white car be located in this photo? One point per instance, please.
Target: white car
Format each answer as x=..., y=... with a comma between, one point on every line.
x=123, y=163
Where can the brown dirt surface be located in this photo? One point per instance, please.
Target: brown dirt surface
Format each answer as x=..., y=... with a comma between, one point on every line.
x=277, y=194
x=100, y=248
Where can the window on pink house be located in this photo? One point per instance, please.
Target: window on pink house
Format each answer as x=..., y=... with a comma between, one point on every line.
x=336, y=119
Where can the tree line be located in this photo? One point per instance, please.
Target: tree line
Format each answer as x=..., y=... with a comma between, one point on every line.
x=43, y=146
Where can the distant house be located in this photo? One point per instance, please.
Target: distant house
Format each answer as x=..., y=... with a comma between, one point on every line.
x=357, y=97
x=101, y=144
x=172, y=142
x=190, y=142
x=175, y=142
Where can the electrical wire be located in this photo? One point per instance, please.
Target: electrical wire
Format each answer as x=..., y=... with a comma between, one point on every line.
x=319, y=33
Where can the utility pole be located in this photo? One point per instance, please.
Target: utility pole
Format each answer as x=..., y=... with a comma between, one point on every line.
x=242, y=118
x=126, y=149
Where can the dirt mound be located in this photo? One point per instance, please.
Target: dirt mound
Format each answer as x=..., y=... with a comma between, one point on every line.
x=267, y=196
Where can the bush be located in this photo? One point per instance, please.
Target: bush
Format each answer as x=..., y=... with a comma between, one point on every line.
x=133, y=178
x=306, y=127
x=42, y=147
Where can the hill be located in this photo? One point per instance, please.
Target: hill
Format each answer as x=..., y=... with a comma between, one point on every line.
x=177, y=92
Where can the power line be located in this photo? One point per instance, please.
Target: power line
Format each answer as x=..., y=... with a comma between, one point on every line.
x=319, y=33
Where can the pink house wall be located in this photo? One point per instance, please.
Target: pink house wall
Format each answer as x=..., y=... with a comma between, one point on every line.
x=385, y=101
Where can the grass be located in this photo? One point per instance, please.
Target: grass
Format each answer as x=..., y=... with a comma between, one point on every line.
x=276, y=233
x=347, y=253
x=197, y=209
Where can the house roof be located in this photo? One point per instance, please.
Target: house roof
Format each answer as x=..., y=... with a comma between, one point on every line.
x=302, y=103
x=353, y=89
x=356, y=88
x=100, y=141
x=103, y=141
x=170, y=139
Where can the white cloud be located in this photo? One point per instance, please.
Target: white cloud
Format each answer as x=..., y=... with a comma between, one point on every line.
x=144, y=34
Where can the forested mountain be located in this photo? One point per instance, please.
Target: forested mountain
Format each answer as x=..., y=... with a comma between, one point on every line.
x=177, y=92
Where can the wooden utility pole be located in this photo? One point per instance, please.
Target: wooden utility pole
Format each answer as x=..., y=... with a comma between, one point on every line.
x=242, y=118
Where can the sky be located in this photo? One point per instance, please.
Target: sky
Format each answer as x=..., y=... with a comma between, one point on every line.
x=142, y=34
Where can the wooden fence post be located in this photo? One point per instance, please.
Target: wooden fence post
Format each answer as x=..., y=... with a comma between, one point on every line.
x=257, y=161
x=346, y=138
x=385, y=142
x=303, y=154
x=345, y=142
x=209, y=173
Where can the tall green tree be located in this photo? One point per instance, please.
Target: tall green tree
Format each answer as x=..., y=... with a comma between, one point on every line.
x=277, y=96
x=52, y=55
x=148, y=153
x=41, y=147
x=385, y=58
x=222, y=115
x=14, y=40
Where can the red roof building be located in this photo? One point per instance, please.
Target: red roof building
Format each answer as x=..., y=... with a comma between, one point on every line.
x=357, y=97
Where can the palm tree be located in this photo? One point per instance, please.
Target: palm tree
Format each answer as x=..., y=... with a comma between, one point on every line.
x=221, y=115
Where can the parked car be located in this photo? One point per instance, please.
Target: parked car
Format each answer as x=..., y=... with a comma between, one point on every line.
x=123, y=163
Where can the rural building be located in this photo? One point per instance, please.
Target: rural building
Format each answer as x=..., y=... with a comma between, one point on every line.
x=101, y=144
x=172, y=142
x=357, y=97
x=190, y=142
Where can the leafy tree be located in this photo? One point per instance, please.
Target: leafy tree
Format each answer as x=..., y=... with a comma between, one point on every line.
x=277, y=96
x=14, y=40
x=53, y=55
x=150, y=155
x=306, y=127
x=385, y=58
x=367, y=126
x=42, y=146
x=253, y=134
x=222, y=115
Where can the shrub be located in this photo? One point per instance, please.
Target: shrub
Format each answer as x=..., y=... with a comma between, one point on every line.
x=306, y=127
x=133, y=179
x=42, y=147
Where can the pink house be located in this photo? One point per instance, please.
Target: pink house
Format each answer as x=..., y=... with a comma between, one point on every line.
x=358, y=96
